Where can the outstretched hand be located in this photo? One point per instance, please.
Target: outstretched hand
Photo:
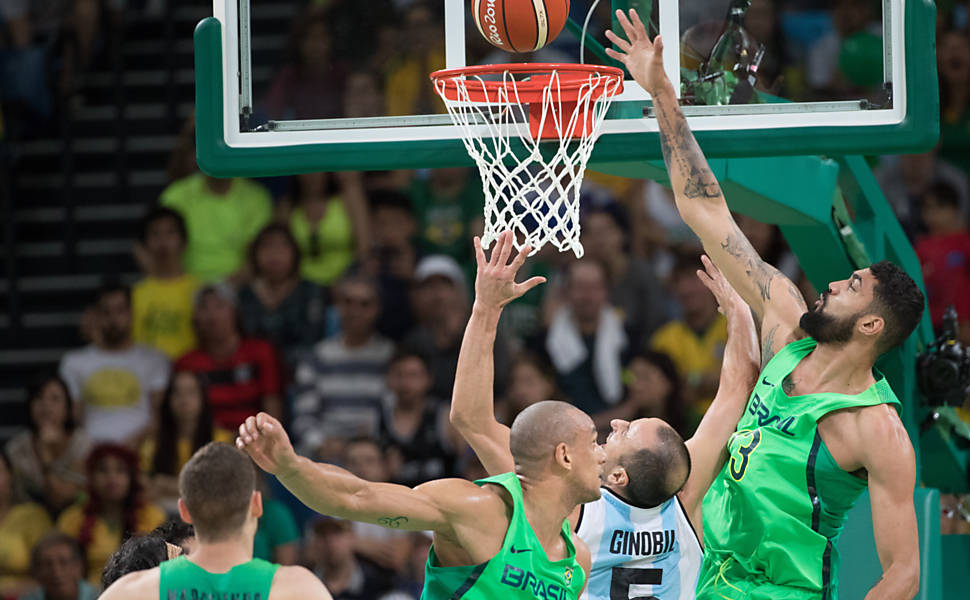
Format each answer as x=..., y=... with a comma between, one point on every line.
x=263, y=438
x=643, y=58
x=712, y=278
x=495, y=284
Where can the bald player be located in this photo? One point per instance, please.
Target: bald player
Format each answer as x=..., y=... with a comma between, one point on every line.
x=641, y=531
x=502, y=537
x=218, y=495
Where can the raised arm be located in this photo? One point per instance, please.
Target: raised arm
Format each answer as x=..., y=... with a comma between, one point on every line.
x=773, y=297
x=472, y=403
x=739, y=372
x=330, y=490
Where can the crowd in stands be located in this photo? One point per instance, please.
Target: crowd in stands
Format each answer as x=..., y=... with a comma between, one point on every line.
x=337, y=302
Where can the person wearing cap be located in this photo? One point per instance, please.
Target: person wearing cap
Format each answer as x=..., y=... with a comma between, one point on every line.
x=117, y=382
x=242, y=374
x=441, y=306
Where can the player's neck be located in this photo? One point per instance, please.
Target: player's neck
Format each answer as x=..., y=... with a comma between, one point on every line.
x=221, y=556
x=838, y=367
x=547, y=503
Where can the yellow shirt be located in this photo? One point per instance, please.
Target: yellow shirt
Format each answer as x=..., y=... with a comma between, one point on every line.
x=693, y=355
x=23, y=527
x=405, y=86
x=162, y=314
x=183, y=449
x=105, y=539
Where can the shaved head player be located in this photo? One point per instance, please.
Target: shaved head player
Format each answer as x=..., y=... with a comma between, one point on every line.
x=821, y=424
x=501, y=537
x=641, y=531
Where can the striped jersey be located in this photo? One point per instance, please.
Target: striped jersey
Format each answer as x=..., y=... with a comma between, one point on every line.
x=641, y=553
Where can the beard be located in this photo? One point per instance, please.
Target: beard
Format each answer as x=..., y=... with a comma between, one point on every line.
x=826, y=329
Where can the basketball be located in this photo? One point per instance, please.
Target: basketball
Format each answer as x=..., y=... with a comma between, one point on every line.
x=520, y=25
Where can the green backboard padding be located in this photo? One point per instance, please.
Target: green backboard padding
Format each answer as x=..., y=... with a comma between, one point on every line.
x=956, y=566
x=860, y=569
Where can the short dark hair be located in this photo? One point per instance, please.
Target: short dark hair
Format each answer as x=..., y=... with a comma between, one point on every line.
x=161, y=213
x=404, y=352
x=112, y=285
x=391, y=199
x=216, y=486
x=898, y=300
x=943, y=193
x=138, y=553
x=174, y=531
x=34, y=389
x=52, y=540
x=654, y=473
x=264, y=234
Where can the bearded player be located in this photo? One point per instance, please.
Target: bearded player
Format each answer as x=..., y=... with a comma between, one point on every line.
x=640, y=532
x=821, y=424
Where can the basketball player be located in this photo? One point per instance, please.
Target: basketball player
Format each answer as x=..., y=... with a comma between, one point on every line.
x=821, y=424
x=502, y=537
x=219, y=497
x=640, y=531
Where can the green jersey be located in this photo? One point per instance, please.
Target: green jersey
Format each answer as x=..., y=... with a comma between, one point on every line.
x=184, y=580
x=773, y=515
x=521, y=570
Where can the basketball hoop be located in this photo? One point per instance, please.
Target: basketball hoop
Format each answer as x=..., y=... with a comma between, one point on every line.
x=531, y=139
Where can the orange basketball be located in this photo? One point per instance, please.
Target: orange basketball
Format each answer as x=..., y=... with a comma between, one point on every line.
x=520, y=25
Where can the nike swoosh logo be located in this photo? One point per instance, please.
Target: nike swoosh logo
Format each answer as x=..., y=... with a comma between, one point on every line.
x=765, y=381
x=513, y=550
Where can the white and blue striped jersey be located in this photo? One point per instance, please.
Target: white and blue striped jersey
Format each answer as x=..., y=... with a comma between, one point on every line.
x=639, y=553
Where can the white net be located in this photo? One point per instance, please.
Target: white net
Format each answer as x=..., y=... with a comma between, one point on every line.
x=531, y=182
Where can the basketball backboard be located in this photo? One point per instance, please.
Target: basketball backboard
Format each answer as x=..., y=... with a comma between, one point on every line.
x=867, y=84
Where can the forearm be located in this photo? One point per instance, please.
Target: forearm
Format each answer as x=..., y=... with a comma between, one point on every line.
x=325, y=488
x=742, y=353
x=898, y=582
x=472, y=404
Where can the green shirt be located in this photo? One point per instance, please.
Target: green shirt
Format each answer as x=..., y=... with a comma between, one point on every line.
x=445, y=224
x=277, y=527
x=220, y=227
x=774, y=513
x=181, y=579
x=327, y=248
x=521, y=570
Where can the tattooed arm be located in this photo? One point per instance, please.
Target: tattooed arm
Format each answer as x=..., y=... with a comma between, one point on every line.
x=776, y=302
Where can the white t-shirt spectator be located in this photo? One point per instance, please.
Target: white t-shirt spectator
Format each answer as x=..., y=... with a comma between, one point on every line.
x=115, y=388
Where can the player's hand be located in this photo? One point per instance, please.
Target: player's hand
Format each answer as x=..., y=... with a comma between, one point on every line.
x=263, y=438
x=495, y=284
x=712, y=278
x=643, y=58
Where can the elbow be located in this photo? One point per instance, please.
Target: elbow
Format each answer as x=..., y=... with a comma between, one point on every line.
x=912, y=580
x=459, y=419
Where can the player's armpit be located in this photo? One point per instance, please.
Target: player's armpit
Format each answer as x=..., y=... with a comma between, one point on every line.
x=297, y=583
x=890, y=461
x=491, y=446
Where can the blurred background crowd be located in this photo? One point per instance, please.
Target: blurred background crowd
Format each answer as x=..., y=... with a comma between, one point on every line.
x=337, y=301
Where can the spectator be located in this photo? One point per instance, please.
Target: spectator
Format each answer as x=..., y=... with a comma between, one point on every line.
x=944, y=254
x=423, y=51
x=277, y=537
x=241, y=374
x=21, y=526
x=222, y=215
x=387, y=548
x=57, y=564
x=391, y=259
x=448, y=205
x=634, y=289
x=953, y=53
x=696, y=341
x=411, y=584
x=161, y=303
x=339, y=385
x=310, y=84
x=185, y=424
x=329, y=228
x=116, y=381
x=531, y=380
x=769, y=243
x=414, y=425
x=654, y=389
x=114, y=509
x=330, y=552
x=440, y=301
x=48, y=459
x=848, y=17
x=278, y=305
x=585, y=340
x=904, y=179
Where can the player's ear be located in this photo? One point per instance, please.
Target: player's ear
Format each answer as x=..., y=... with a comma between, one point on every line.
x=871, y=324
x=184, y=512
x=256, y=504
x=618, y=476
x=562, y=456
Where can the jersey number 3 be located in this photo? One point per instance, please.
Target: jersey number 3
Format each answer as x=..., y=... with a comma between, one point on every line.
x=739, y=457
x=624, y=578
